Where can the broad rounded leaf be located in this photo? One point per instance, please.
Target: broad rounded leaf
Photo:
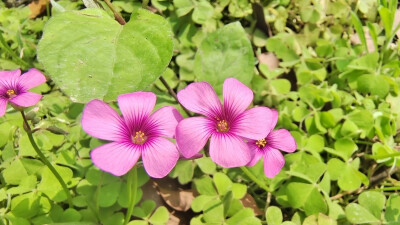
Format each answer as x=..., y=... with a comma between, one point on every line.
x=359, y=215
x=346, y=147
x=307, y=196
x=315, y=143
x=225, y=53
x=222, y=183
x=374, y=84
x=373, y=201
x=204, y=186
x=392, y=212
x=274, y=215
x=108, y=194
x=160, y=216
x=89, y=55
x=50, y=186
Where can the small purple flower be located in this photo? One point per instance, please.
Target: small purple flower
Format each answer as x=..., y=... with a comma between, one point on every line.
x=14, y=88
x=136, y=134
x=268, y=148
x=228, y=125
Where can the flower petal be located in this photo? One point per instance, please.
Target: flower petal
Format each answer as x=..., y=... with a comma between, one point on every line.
x=31, y=79
x=274, y=119
x=163, y=122
x=103, y=122
x=192, y=134
x=282, y=139
x=26, y=99
x=136, y=107
x=196, y=156
x=257, y=154
x=237, y=96
x=3, y=106
x=115, y=158
x=273, y=162
x=254, y=123
x=9, y=79
x=200, y=97
x=13, y=73
x=159, y=156
x=229, y=150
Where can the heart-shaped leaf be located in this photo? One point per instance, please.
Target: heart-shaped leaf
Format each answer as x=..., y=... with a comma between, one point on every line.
x=89, y=55
x=225, y=53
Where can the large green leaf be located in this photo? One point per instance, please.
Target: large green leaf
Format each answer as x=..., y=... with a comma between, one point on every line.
x=225, y=53
x=89, y=55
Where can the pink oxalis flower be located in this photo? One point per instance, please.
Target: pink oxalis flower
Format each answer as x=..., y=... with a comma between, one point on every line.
x=136, y=134
x=268, y=146
x=14, y=88
x=227, y=124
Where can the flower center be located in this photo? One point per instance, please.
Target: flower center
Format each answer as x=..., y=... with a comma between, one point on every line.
x=11, y=93
x=222, y=126
x=261, y=143
x=139, y=138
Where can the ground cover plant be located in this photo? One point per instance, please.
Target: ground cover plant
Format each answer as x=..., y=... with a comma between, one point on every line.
x=199, y=112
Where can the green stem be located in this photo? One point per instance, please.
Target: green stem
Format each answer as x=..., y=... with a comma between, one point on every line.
x=45, y=161
x=392, y=155
x=388, y=189
x=132, y=191
x=364, y=142
x=117, y=16
x=173, y=94
x=98, y=194
x=48, y=8
x=145, y=3
x=254, y=178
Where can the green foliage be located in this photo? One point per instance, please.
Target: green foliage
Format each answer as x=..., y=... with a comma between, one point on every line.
x=219, y=201
x=332, y=73
x=222, y=54
x=144, y=43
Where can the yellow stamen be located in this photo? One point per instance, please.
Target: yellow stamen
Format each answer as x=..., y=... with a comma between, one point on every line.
x=261, y=143
x=222, y=126
x=11, y=94
x=139, y=138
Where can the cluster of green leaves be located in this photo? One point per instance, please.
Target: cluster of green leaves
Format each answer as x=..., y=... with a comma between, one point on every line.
x=331, y=71
x=337, y=95
x=19, y=36
x=30, y=192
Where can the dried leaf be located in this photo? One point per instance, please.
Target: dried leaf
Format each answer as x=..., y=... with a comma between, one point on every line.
x=37, y=7
x=355, y=39
x=178, y=199
x=249, y=202
x=173, y=220
x=150, y=192
x=269, y=59
x=173, y=194
x=92, y=4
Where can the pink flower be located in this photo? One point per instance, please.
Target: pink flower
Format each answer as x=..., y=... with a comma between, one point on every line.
x=227, y=125
x=268, y=146
x=14, y=88
x=136, y=134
